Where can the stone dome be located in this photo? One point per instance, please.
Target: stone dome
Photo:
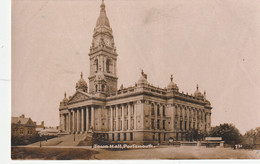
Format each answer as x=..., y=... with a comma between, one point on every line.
x=197, y=93
x=82, y=84
x=102, y=19
x=172, y=85
x=142, y=79
x=65, y=100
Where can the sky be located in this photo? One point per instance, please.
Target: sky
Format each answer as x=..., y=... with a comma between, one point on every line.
x=214, y=44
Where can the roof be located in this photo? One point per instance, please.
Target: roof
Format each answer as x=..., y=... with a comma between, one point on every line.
x=23, y=121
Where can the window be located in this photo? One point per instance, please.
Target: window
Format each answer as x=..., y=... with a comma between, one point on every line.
x=152, y=121
x=131, y=136
x=163, y=110
x=163, y=124
x=103, y=88
x=164, y=138
x=153, y=136
x=198, y=125
x=158, y=110
x=127, y=109
x=21, y=131
x=193, y=125
x=177, y=136
x=107, y=137
x=158, y=124
x=121, y=127
x=127, y=124
x=113, y=137
x=185, y=125
x=107, y=66
x=118, y=137
x=96, y=88
x=189, y=125
x=96, y=65
x=152, y=110
x=180, y=125
x=124, y=136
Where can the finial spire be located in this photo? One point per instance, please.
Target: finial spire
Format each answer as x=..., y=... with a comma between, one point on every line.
x=81, y=75
x=197, y=87
x=102, y=6
x=65, y=94
x=171, y=77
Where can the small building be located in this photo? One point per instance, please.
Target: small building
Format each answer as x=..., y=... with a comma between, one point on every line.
x=22, y=126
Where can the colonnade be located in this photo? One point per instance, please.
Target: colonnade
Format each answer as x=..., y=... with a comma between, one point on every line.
x=78, y=120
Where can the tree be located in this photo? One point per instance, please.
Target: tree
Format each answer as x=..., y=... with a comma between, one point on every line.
x=229, y=133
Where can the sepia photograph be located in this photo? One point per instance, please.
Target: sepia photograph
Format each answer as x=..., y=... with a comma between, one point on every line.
x=135, y=80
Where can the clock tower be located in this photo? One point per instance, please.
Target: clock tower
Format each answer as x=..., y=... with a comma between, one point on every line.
x=103, y=57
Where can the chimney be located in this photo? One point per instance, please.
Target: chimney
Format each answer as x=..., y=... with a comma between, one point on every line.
x=22, y=116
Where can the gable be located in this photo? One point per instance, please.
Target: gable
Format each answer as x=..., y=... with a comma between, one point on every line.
x=77, y=97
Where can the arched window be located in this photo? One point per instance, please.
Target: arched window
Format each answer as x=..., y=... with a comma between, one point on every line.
x=152, y=110
x=103, y=88
x=96, y=65
x=108, y=65
x=158, y=110
x=96, y=88
x=163, y=110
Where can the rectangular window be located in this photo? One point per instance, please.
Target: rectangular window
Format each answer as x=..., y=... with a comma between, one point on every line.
x=163, y=124
x=180, y=125
x=107, y=137
x=124, y=136
x=177, y=137
x=158, y=124
x=127, y=124
x=113, y=137
x=131, y=136
x=185, y=125
x=153, y=136
x=152, y=123
x=121, y=127
x=164, y=138
x=193, y=125
x=118, y=137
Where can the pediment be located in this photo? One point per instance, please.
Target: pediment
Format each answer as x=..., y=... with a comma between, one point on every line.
x=77, y=97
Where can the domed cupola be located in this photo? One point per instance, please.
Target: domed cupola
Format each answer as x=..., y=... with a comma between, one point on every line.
x=64, y=102
x=82, y=85
x=102, y=19
x=172, y=85
x=143, y=79
x=197, y=93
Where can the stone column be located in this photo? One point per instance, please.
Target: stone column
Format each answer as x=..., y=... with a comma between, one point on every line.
x=82, y=119
x=123, y=117
x=87, y=118
x=92, y=116
x=116, y=117
x=73, y=121
x=78, y=120
x=155, y=116
x=69, y=121
x=129, y=116
x=135, y=112
x=111, y=119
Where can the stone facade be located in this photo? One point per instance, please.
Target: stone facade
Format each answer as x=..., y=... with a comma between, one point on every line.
x=138, y=114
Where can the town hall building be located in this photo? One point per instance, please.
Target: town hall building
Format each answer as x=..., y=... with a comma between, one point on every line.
x=140, y=114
